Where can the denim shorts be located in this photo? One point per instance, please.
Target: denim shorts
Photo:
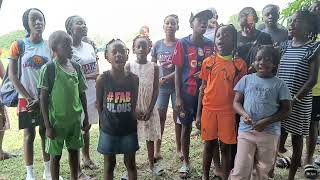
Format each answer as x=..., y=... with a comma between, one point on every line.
x=163, y=97
x=190, y=106
x=110, y=145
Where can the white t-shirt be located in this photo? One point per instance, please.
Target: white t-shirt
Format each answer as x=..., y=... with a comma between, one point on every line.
x=86, y=57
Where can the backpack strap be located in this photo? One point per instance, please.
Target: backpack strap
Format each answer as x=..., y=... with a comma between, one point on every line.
x=21, y=47
x=77, y=66
x=51, y=75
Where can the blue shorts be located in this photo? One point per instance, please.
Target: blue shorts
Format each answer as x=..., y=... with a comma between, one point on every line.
x=110, y=145
x=163, y=98
x=190, y=105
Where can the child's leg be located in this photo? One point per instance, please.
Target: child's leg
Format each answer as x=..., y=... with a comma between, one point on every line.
x=185, y=142
x=244, y=160
x=109, y=165
x=297, y=146
x=29, y=135
x=163, y=117
x=311, y=141
x=55, y=166
x=150, y=149
x=130, y=162
x=42, y=132
x=282, y=142
x=266, y=151
x=73, y=163
x=208, y=152
x=177, y=130
x=225, y=159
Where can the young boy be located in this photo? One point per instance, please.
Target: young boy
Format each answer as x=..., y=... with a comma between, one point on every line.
x=188, y=56
x=62, y=102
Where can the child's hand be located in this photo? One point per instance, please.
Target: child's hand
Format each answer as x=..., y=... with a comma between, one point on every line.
x=247, y=119
x=140, y=116
x=196, y=75
x=179, y=104
x=33, y=104
x=162, y=81
x=198, y=122
x=147, y=116
x=50, y=133
x=259, y=126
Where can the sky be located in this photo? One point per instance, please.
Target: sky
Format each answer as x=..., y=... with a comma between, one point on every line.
x=121, y=18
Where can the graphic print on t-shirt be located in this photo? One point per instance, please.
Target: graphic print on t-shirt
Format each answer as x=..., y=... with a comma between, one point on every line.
x=118, y=102
x=35, y=62
x=89, y=68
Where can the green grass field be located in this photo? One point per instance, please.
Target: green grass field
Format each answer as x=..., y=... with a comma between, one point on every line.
x=15, y=169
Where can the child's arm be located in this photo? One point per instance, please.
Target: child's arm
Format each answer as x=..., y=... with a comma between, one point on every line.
x=45, y=113
x=135, y=91
x=154, y=93
x=177, y=83
x=238, y=107
x=312, y=81
x=283, y=113
x=201, y=91
x=83, y=98
x=99, y=94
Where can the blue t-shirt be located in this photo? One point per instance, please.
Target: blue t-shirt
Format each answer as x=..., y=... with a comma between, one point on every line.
x=163, y=54
x=261, y=99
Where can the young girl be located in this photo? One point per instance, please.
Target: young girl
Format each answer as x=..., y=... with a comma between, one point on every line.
x=84, y=54
x=162, y=52
x=36, y=53
x=219, y=73
x=117, y=93
x=262, y=100
x=299, y=67
x=149, y=129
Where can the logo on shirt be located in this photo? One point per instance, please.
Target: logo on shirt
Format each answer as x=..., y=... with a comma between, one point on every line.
x=193, y=63
x=118, y=102
x=89, y=68
x=35, y=62
x=200, y=52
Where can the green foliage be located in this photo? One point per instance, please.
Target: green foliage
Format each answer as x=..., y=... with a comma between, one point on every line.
x=7, y=39
x=294, y=7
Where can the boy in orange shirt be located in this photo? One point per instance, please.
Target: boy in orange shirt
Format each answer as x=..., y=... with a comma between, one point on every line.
x=219, y=73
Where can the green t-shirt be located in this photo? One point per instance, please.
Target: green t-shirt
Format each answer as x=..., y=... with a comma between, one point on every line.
x=65, y=106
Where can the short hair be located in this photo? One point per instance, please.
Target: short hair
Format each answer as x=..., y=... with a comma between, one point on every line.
x=141, y=31
x=143, y=37
x=248, y=11
x=173, y=16
x=56, y=37
x=111, y=42
x=313, y=22
x=275, y=54
x=273, y=6
x=69, y=22
x=25, y=19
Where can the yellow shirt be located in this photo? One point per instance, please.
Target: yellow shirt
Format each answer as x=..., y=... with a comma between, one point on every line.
x=316, y=88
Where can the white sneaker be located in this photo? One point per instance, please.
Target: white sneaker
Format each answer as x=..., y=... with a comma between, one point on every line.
x=30, y=178
x=48, y=177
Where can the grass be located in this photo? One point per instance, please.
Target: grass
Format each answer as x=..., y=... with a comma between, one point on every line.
x=14, y=168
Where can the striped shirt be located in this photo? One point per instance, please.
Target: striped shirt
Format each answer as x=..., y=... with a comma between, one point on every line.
x=294, y=70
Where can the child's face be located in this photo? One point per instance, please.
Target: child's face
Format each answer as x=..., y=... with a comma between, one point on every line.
x=264, y=64
x=248, y=26
x=315, y=8
x=199, y=25
x=64, y=47
x=224, y=40
x=297, y=26
x=270, y=16
x=36, y=22
x=170, y=25
x=79, y=27
x=141, y=48
x=117, y=55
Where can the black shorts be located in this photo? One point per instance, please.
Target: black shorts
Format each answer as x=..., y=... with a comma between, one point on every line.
x=315, y=115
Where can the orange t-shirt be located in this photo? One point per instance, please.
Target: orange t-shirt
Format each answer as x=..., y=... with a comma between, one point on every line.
x=221, y=76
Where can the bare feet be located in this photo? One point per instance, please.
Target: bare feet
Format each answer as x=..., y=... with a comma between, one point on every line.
x=5, y=155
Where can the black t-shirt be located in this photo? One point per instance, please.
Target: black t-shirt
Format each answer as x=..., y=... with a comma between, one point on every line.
x=246, y=44
x=118, y=116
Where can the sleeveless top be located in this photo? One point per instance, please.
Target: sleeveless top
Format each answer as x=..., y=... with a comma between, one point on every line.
x=118, y=117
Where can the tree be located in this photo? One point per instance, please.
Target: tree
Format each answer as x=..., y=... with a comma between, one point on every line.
x=7, y=39
x=294, y=7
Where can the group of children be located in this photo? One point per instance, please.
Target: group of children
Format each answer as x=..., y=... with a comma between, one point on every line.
x=210, y=81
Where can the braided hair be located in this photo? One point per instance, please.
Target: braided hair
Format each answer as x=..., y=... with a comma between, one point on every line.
x=69, y=22
x=234, y=33
x=143, y=37
x=111, y=42
x=313, y=23
x=25, y=20
x=275, y=54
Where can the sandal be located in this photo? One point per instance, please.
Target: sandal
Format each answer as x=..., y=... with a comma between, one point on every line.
x=310, y=171
x=283, y=162
x=6, y=155
x=317, y=161
x=89, y=164
x=83, y=176
x=156, y=159
x=124, y=177
x=157, y=171
x=184, y=171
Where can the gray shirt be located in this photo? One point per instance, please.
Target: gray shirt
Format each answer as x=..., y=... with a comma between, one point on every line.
x=262, y=98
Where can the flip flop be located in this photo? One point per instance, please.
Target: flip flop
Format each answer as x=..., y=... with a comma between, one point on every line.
x=83, y=176
x=317, y=161
x=124, y=177
x=283, y=162
x=184, y=171
x=89, y=164
x=310, y=171
x=5, y=155
x=157, y=171
x=156, y=159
